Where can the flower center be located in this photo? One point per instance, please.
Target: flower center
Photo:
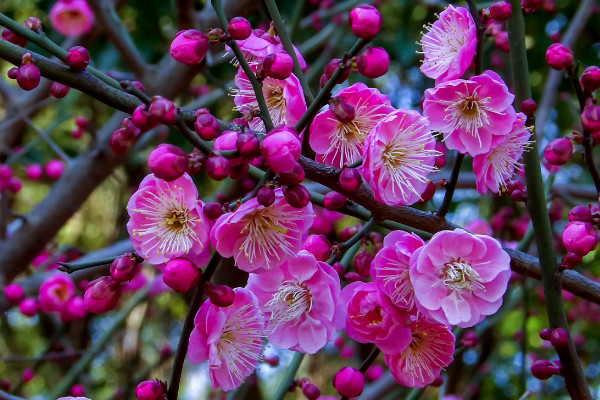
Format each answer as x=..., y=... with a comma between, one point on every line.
x=61, y=293
x=374, y=316
x=289, y=303
x=460, y=276
x=269, y=233
x=176, y=219
x=469, y=112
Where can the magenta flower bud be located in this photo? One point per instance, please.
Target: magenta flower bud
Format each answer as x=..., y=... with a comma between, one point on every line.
x=365, y=21
x=530, y=6
x=311, y=391
x=5, y=385
x=59, y=90
x=15, y=185
x=559, y=338
x=294, y=177
x=54, y=169
x=189, y=47
x=14, y=293
x=334, y=201
x=206, y=126
x=239, y=28
x=278, y=65
x=78, y=58
x=124, y=268
x=217, y=167
x=373, y=63
x=544, y=369
x=162, y=109
x=297, y=196
x=350, y=179
x=121, y=141
x=528, y=107
x=248, y=145
x=362, y=263
x=342, y=111
x=29, y=307
x=559, y=56
x=349, y=382
x=590, y=78
x=181, y=275
x=580, y=237
x=571, y=260
x=14, y=38
x=77, y=133
x=213, y=210
x=142, y=119
x=580, y=213
x=219, y=295
x=77, y=390
x=168, y=162
x=559, y=151
x=318, y=246
x=265, y=196
x=273, y=361
x=545, y=334
x=150, y=390
x=590, y=118
x=28, y=76
x=347, y=233
x=72, y=17
x=374, y=372
x=56, y=292
x=281, y=149
x=102, y=295
x=12, y=73
x=5, y=172
x=28, y=374
x=470, y=339
x=34, y=172
x=330, y=69
x=74, y=310
x=427, y=193
x=82, y=123
x=501, y=11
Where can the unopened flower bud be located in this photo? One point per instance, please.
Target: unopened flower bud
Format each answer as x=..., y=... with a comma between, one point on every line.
x=545, y=334
x=217, y=167
x=590, y=119
x=58, y=90
x=559, y=56
x=559, y=338
x=330, y=69
x=570, y=260
x=349, y=382
x=124, y=268
x=162, y=109
x=219, y=295
x=470, y=339
x=544, y=369
x=239, y=28
x=248, y=145
x=78, y=58
x=528, y=107
x=265, y=196
x=297, y=196
x=334, y=201
x=350, y=179
x=362, y=263
x=365, y=21
x=294, y=177
x=102, y=295
x=14, y=38
x=54, y=169
x=29, y=307
x=343, y=112
x=580, y=237
x=189, y=47
x=281, y=149
x=278, y=65
x=181, y=275
x=501, y=11
x=311, y=391
x=530, y=6
x=319, y=246
x=559, y=151
x=206, y=126
x=373, y=63
x=590, y=78
x=28, y=76
x=213, y=210
x=150, y=390
x=14, y=293
x=121, y=141
x=168, y=162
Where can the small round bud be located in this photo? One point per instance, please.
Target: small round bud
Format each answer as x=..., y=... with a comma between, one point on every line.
x=350, y=179
x=530, y=6
x=374, y=372
x=217, y=167
x=189, y=47
x=342, y=111
x=373, y=63
x=349, y=382
x=365, y=21
x=162, y=110
x=219, y=295
x=428, y=193
x=14, y=293
x=590, y=119
x=278, y=65
x=362, y=263
x=181, y=275
x=501, y=11
x=559, y=151
x=330, y=69
x=347, y=233
x=580, y=213
x=124, y=268
x=545, y=334
x=207, y=126
x=297, y=196
x=28, y=375
x=28, y=76
x=571, y=260
x=54, y=169
x=34, y=172
x=121, y=141
x=150, y=390
x=590, y=78
x=559, y=338
x=528, y=107
x=102, y=295
x=281, y=149
x=580, y=237
x=29, y=307
x=58, y=90
x=239, y=28
x=333, y=201
x=311, y=391
x=294, y=177
x=213, y=210
x=78, y=58
x=273, y=361
x=319, y=246
x=265, y=196
x=168, y=162
x=77, y=390
x=248, y=145
x=559, y=56
x=14, y=38
x=470, y=339
x=544, y=369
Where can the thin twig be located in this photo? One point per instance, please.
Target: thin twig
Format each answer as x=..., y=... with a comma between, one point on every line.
x=69, y=268
x=288, y=378
x=451, y=185
x=44, y=135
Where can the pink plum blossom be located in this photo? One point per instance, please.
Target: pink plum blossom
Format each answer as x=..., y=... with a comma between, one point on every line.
x=337, y=143
x=56, y=292
x=390, y=267
x=459, y=278
x=229, y=338
x=494, y=168
x=260, y=238
x=260, y=44
x=398, y=156
x=474, y=115
x=373, y=318
x=449, y=45
x=72, y=17
x=429, y=352
x=285, y=100
x=166, y=221
x=300, y=300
